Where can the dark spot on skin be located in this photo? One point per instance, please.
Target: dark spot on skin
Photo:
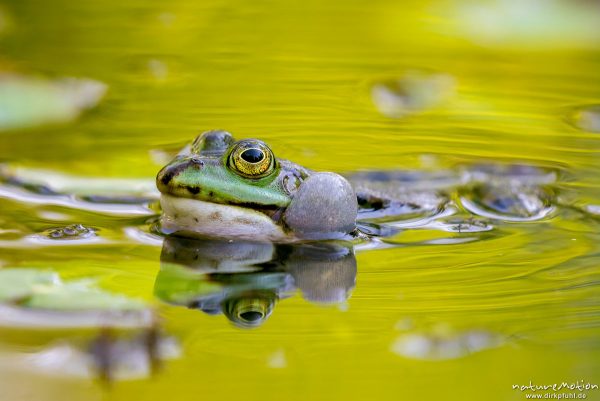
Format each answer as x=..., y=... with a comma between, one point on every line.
x=193, y=190
x=166, y=174
x=196, y=219
x=166, y=177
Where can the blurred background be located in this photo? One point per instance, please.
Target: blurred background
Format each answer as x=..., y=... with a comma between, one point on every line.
x=109, y=89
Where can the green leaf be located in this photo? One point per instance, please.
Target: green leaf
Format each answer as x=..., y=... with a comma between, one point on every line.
x=32, y=101
x=39, y=289
x=16, y=284
x=73, y=296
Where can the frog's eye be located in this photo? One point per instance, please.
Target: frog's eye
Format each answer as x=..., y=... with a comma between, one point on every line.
x=251, y=158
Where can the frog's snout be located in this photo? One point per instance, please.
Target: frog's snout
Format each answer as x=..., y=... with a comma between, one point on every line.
x=166, y=177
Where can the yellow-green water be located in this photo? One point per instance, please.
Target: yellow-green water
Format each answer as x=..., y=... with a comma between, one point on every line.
x=298, y=75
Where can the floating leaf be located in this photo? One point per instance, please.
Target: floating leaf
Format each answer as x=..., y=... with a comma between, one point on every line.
x=17, y=284
x=80, y=296
x=49, y=181
x=38, y=298
x=29, y=101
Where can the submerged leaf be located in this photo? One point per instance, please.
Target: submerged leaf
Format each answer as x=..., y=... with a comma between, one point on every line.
x=28, y=101
x=16, y=284
x=74, y=296
x=179, y=285
x=41, y=289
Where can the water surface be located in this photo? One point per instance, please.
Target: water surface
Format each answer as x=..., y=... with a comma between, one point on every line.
x=431, y=317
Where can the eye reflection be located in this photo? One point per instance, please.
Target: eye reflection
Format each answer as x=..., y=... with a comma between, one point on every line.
x=249, y=310
x=244, y=280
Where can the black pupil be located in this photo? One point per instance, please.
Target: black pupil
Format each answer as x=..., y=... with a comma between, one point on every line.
x=251, y=316
x=252, y=155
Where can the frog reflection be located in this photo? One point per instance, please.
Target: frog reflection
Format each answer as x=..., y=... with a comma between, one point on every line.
x=244, y=280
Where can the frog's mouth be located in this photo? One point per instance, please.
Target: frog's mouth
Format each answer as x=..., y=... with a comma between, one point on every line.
x=219, y=220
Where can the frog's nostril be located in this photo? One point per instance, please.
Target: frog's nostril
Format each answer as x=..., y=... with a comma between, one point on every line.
x=166, y=175
x=196, y=162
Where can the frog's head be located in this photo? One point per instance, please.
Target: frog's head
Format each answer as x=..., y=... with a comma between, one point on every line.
x=227, y=188
x=218, y=170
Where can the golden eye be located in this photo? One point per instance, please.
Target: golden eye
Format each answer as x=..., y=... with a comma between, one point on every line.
x=252, y=158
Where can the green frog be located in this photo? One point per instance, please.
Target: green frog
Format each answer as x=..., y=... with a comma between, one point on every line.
x=221, y=187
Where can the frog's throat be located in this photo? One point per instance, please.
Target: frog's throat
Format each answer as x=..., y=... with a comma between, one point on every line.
x=217, y=220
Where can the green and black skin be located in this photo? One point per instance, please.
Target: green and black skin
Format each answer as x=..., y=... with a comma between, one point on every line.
x=219, y=171
x=203, y=171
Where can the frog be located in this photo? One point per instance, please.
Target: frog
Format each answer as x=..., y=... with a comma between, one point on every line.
x=222, y=187
x=226, y=188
